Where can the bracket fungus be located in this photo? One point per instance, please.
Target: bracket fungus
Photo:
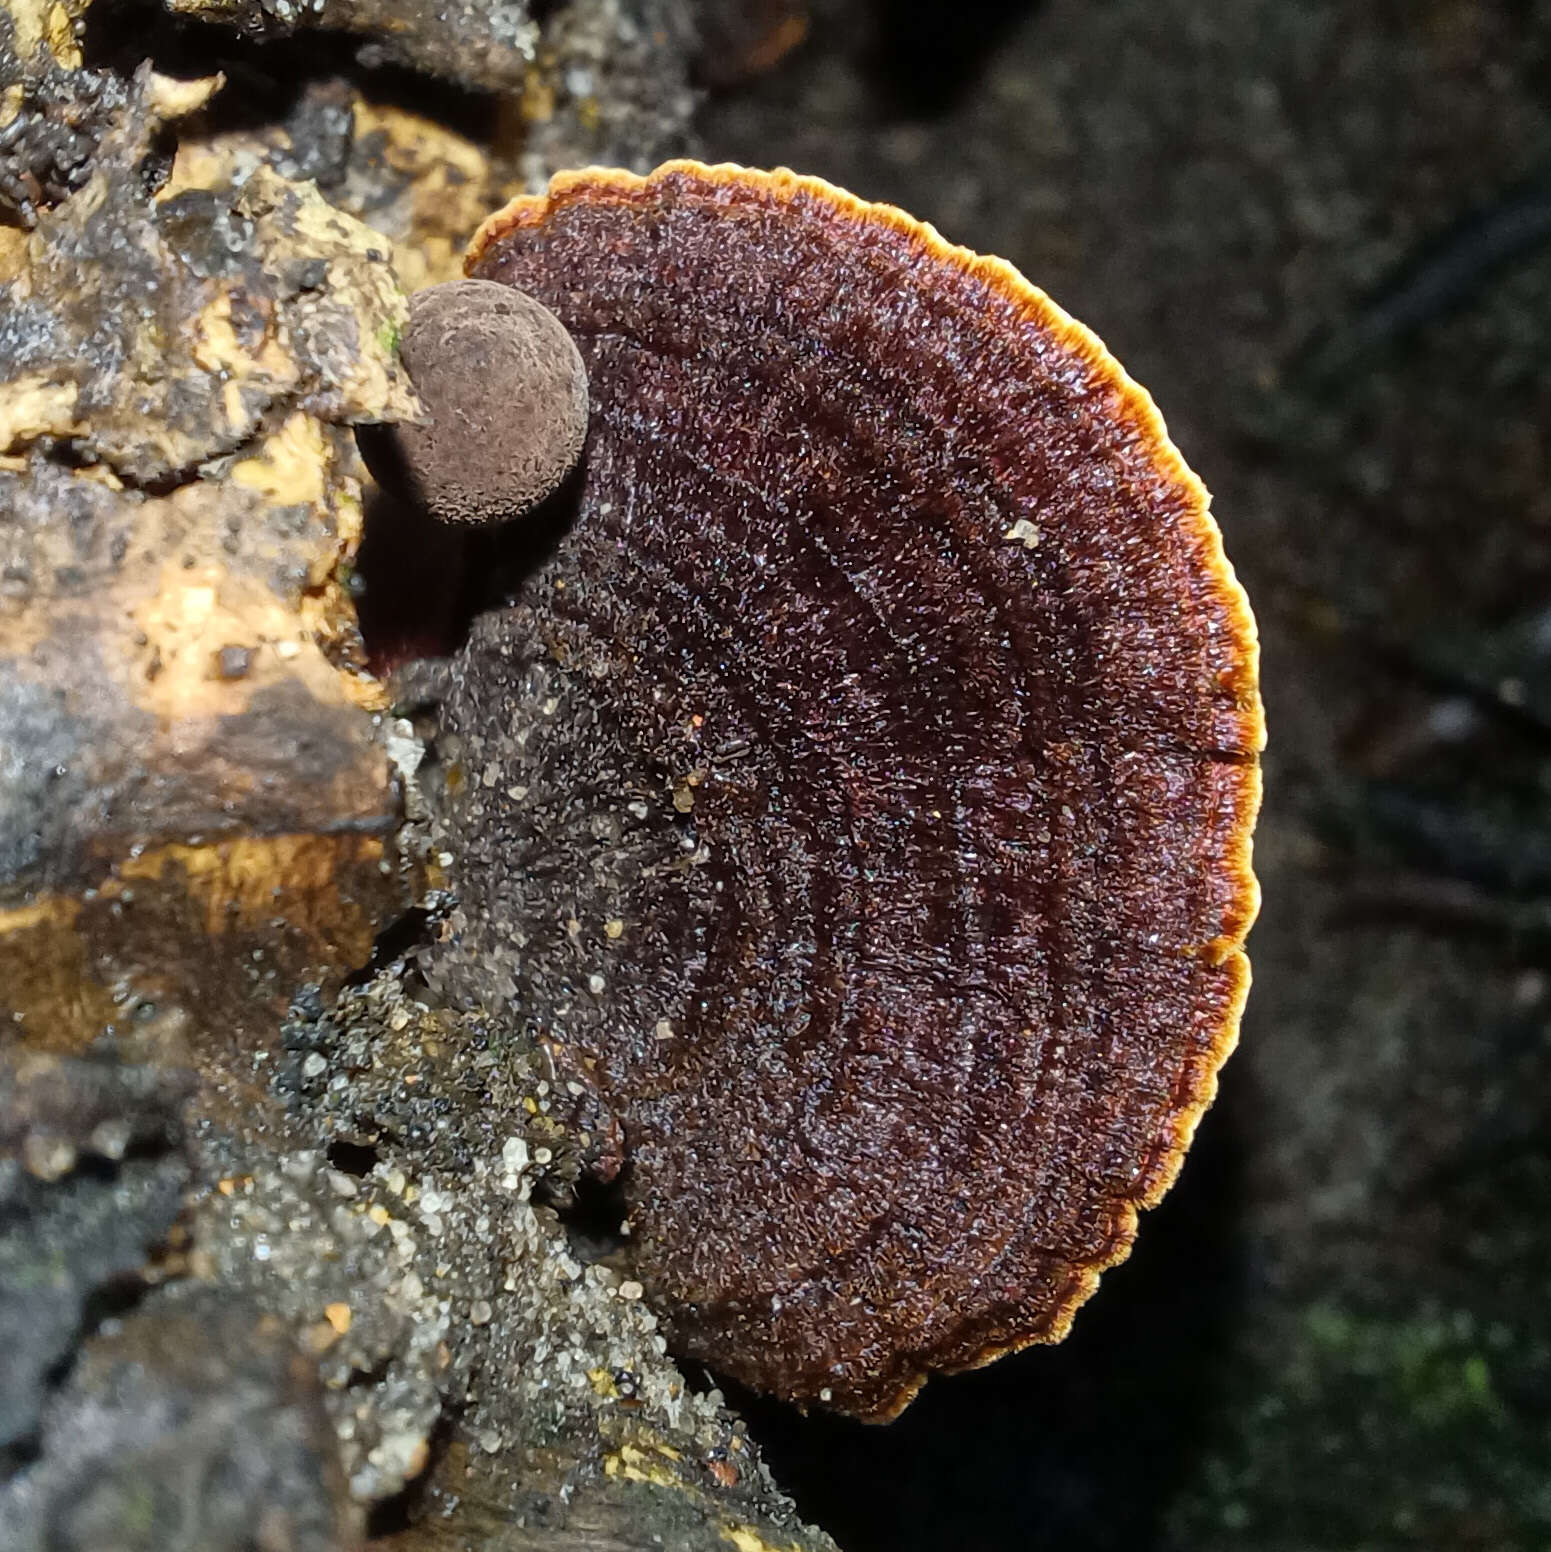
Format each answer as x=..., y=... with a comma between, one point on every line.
x=505, y=399
x=860, y=793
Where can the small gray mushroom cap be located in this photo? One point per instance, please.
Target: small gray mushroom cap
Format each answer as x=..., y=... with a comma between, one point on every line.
x=505, y=397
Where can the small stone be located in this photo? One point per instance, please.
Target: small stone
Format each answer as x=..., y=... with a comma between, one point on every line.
x=233, y=662
x=319, y=1337
x=47, y=1157
x=110, y=1138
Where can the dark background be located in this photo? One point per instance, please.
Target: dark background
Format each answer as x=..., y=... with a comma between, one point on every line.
x=1320, y=233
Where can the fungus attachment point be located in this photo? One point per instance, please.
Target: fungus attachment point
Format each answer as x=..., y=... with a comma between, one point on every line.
x=505, y=396
x=866, y=780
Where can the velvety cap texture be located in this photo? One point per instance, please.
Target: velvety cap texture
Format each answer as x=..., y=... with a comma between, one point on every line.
x=860, y=796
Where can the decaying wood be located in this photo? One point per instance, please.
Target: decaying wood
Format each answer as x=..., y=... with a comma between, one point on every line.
x=196, y=812
x=208, y=814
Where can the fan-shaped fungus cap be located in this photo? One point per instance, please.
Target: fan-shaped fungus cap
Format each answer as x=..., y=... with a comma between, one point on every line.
x=867, y=781
x=505, y=395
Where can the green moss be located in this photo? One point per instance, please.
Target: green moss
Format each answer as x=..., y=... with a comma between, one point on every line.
x=1371, y=1432
x=1432, y=1369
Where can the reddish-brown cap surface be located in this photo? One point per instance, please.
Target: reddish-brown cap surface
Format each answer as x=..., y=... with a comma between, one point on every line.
x=863, y=791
